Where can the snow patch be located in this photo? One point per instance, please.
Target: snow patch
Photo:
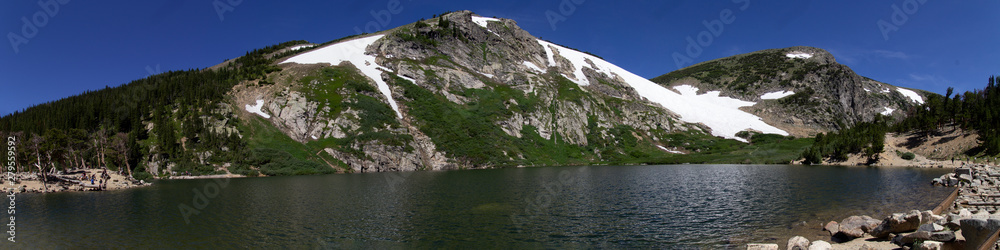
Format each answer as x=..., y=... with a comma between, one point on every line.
x=669, y=151
x=298, y=47
x=912, y=95
x=888, y=111
x=256, y=109
x=721, y=114
x=548, y=53
x=800, y=55
x=579, y=61
x=776, y=95
x=352, y=51
x=315, y=138
x=885, y=90
x=533, y=66
x=407, y=78
x=483, y=21
x=487, y=75
x=867, y=90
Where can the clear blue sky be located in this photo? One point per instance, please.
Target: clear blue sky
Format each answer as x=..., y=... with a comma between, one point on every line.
x=87, y=45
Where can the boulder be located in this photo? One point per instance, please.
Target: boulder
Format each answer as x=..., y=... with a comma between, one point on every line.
x=797, y=243
x=965, y=178
x=897, y=223
x=964, y=212
x=854, y=226
x=953, y=222
x=833, y=227
x=929, y=245
x=762, y=246
x=929, y=217
x=908, y=239
x=867, y=247
x=930, y=227
x=820, y=245
x=976, y=231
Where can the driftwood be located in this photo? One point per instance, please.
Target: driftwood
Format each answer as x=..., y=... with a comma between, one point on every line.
x=65, y=179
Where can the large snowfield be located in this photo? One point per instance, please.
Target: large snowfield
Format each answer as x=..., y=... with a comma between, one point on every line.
x=722, y=114
x=352, y=51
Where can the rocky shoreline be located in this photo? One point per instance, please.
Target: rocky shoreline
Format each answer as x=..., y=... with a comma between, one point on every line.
x=965, y=221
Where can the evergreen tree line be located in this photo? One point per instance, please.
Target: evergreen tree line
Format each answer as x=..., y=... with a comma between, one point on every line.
x=106, y=127
x=866, y=138
x=977, y=110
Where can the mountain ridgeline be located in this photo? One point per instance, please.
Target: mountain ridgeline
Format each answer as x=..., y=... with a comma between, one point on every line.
x=456, y=91
x=823, y=95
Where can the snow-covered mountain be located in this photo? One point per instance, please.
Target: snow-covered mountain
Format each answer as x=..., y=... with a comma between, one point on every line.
x=463, y=91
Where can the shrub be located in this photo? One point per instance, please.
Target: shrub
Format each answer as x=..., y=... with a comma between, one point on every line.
x=142, y=176
x=908, y=156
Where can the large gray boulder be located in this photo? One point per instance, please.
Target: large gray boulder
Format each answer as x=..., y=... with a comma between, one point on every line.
x=977, y=230
x=797, y=243
x=897, y=223
x=908, y=239
x=930, y=227
x=856, y=226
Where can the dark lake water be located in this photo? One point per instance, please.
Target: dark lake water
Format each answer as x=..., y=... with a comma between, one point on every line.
x=670, y=206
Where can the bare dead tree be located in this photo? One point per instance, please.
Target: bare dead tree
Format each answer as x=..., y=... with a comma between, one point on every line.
x=120, y=144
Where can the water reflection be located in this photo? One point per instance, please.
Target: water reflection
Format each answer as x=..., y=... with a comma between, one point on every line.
x=678, y=206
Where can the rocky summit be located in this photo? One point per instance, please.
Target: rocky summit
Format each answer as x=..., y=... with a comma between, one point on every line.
x=802, y=90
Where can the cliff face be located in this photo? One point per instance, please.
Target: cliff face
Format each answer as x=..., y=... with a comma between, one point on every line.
x=809, y=91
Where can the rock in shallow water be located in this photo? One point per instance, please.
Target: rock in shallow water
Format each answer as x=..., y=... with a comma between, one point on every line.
x=856, y=226
x=833, y=227
x=797, y=243
x=762, y=246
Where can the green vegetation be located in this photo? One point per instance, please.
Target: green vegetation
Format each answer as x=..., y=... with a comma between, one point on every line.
x=108, y=127
x=867, y=138
x=707, y=149
x=907, y=156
